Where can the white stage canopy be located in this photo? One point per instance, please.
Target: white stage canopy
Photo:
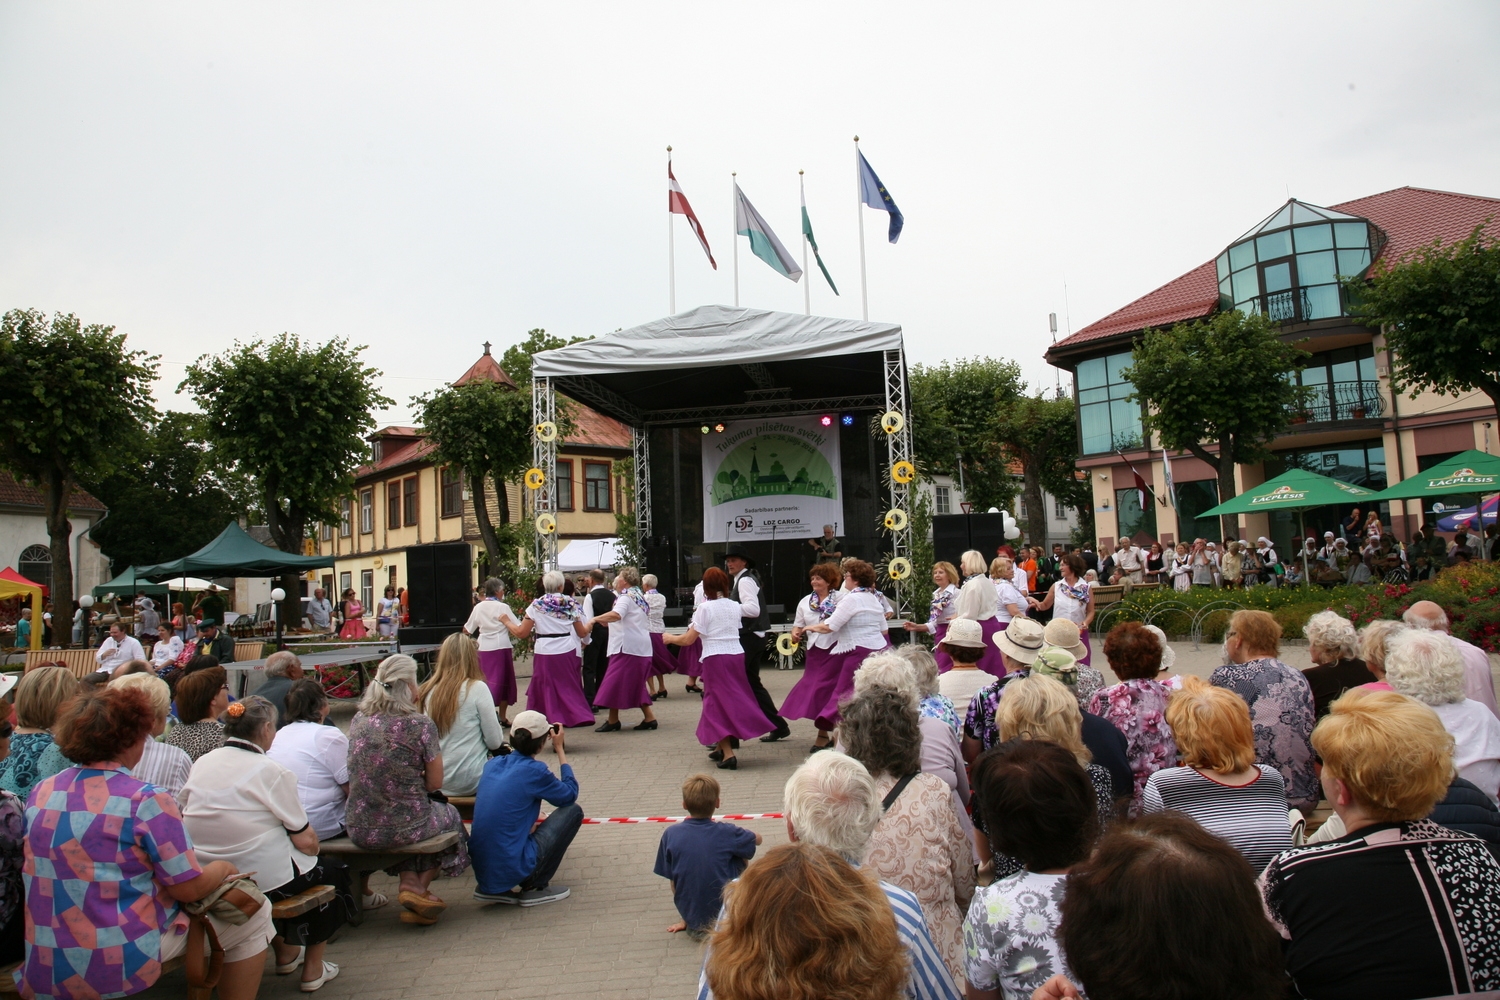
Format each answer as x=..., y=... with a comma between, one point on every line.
x=588, y=553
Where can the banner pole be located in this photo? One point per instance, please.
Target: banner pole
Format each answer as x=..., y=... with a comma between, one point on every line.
x=807, y=281
x=734, y=231
x=671, y=249
x=859, y=187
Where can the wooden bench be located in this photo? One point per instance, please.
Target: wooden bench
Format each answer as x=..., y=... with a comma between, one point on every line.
x=1105, y=595
x=308, y=899
x=248, y=649
x=464, y=804
x=80, y=661
x=362, y=862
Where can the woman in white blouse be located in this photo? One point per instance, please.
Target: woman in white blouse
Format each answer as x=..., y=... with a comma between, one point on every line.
x=1010, y=602
x=820, y=670
x=976, y=602
x=166, y=650
x=556, y=688
x=490, y=622
x=457, y=700
x=858, y=627
x=624, y=684
x=1073, y=599
x=661, y=658
x=944, y=608
x=241, y=806
x=730, y=712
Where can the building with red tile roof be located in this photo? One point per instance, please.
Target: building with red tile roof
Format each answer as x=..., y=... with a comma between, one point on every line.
x=1355, y=428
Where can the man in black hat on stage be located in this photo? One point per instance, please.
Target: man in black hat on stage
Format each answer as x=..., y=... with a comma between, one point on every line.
x=755, y=620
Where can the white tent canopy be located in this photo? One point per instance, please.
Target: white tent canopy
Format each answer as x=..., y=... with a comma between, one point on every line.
x=715, y=336
x=588, y=553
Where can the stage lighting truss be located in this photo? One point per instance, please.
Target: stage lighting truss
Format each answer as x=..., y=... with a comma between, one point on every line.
x=543, y=498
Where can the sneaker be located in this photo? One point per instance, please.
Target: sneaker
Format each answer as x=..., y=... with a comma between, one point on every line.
x=549, y=894
x=511, y=897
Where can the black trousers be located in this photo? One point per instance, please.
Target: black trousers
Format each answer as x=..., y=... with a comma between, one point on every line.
x=755, y=654
x=595, y=662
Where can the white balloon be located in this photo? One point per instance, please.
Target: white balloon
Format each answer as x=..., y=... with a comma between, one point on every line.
x=1012, y=532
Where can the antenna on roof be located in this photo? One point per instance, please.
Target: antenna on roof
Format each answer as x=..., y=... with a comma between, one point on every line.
x=1052, y=322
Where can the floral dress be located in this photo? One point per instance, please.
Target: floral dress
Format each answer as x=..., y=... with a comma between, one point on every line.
x=1282, y=712
x=388, y=803
x=939, y=707
x=33, y=756
x=1138, y=708
x=1010, y=935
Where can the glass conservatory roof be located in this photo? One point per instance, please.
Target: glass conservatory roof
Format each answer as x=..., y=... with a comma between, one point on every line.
x=1296, y=213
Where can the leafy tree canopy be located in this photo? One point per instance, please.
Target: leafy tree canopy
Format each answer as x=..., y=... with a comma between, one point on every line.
x=1440, y=308
x=517, y=357
x=1042, y=433
x=953, y=411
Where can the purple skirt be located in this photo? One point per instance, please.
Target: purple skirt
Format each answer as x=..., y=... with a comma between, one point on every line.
x=945, y=662
x=809, y=696
x=662, y=661
x=1088, y=647
x=827, y=718
x=689, y=659
x=624, y=683
x=993, y=660
x=729, y=706
x=556, y=689
x=499, y=669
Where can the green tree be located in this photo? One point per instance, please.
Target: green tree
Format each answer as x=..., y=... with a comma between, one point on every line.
x=953, y=416
x=295, y=417
x=1041, y=433
x=173, y=498
x=75, y=401
x=517, y=357
x=1223, y=380
x=1440, y=309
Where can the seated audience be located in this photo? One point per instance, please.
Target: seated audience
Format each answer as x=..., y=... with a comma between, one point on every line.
x=965, y=648
x=1373, y=639
x=1479, y=680
x=832, y=802
x=919, y=843
x=135, y=857
x=1137, y=705
x=458, y=701
x=1424, y=665
x=40, y=697
x=117, y=649
x=162, y=764
x=1333, y=646
x=12, y=889
x=1063, y=634
x=202, y=695
x=934, y=704
x=240, y=806
x=133, y=667
x=283, y=669
x=1467, y=809
x=701, y=857
x=1280, y=700
x=514, y=857
x=1219, y=784
x=1358, y=914
x=1151, y=883
x=395, y=760
x=802, y=924
x=1038, y=801
x=166, y=651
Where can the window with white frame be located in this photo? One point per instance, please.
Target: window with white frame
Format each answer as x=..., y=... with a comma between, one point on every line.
x=1058, y=510
x=344, y=507
x=942, y=500
x=366, y=511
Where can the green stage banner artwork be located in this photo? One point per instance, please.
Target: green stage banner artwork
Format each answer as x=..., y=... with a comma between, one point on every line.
x=771, y=477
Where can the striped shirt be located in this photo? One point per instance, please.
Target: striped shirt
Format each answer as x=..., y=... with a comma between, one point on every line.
x=164, y=766
x=1252, y=816
x=930, y=979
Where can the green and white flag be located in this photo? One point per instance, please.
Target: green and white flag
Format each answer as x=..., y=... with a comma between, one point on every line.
x=813, y=242
x=763, y=242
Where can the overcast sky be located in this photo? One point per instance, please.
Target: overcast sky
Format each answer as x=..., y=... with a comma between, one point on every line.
x=422, y=177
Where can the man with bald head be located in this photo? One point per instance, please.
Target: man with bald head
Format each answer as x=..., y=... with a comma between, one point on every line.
x=1479, y=682
x=283, y=669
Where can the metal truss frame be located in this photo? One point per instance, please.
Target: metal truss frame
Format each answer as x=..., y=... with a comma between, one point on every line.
x=640, y=447
x=898, y=449
x=544, y=457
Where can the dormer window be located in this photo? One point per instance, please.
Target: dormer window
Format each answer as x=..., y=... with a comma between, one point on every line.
x=1289, y=266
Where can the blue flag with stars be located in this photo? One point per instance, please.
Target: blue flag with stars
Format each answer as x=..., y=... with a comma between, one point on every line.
x=874, y=194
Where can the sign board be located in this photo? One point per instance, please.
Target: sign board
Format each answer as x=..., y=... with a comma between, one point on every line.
x=772, y=476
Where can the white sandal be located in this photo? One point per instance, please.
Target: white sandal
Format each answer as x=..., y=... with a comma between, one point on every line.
x=330, y=972
x=294, y=964
x=374, y=900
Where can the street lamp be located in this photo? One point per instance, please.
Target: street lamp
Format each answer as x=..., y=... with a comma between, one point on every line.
x=277, y=596
x=86, y=602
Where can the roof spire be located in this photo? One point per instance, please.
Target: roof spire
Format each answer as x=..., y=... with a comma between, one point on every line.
x=486, y=347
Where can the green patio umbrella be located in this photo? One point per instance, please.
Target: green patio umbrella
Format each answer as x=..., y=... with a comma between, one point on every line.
x=1471, y=472
x=1295, y=489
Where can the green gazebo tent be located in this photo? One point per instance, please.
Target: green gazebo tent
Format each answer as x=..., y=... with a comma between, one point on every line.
x=1295, y=489
x=235, y=553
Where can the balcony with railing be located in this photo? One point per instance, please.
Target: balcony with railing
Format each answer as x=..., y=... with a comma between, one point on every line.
x=1338, y=401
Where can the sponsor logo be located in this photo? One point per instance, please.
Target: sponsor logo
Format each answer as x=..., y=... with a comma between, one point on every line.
x=1461, y=477
x=744, y=524
x=1280, y=494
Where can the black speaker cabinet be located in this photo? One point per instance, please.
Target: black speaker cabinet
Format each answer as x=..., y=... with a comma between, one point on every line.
x=427, y=635
x=441, y=583
x=953, y=534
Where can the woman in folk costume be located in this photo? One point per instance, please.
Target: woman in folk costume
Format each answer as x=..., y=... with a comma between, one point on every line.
x=490, y=623
x=858, y=624
x=976, y=602
x=1073, y=599
x=820, y=672
x=556, y=688
x=624, y=684
x=944, y=608
x=662, y=662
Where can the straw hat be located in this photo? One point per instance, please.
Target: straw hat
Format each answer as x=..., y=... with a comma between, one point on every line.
x=1064, y=634
x=1021, y=640
x=964, y=632
x=1168, y=654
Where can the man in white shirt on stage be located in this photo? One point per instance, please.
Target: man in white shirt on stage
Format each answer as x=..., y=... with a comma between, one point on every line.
x=755, y=621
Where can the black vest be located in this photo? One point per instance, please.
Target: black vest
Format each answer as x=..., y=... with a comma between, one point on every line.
x=763, y=621
x=603, y=600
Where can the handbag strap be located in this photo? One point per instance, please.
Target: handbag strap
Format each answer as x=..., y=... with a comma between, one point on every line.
x=895, y=792
x=203, y=976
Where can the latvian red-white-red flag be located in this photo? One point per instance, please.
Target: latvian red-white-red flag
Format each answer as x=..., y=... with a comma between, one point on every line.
x=677, y=203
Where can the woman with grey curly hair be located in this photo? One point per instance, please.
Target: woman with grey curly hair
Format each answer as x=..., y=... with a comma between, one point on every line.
x=920, y=844
x=1424, y=665
x=395, y=764
x=1334, y=647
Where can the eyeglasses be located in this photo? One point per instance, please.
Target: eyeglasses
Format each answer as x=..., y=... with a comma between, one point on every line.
x=1230, y=634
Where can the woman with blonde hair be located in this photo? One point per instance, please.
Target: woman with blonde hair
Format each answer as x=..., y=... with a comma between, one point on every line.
x=1356, y=916
x=1425, y=665
x=804, y=924
x=1219, y=784
x=395, y=761
x=40, y=697
x=1231, y=567
x=976, y=602
x=457, y=700
x=1009, y=601
x=1373, y=640
x=942, y=610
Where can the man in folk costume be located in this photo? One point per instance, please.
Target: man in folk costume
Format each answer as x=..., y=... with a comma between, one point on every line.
x=754, y=623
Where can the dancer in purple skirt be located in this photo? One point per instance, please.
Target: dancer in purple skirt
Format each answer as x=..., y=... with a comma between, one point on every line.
x=662, y=662
x=730, y=712
x=820, y=670
x=976, y=602
x=624, y=684
x=944, y=609
x=690, y=656
x=556, y=688
x=858, y=625
x=490, y=623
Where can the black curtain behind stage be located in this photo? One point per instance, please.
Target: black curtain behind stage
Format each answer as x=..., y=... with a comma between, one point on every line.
x=678, y=555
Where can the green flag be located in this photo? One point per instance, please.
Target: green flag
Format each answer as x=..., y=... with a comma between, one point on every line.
x=813, y=242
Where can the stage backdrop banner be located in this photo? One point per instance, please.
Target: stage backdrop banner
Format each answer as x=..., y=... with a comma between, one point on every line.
x=773, y=476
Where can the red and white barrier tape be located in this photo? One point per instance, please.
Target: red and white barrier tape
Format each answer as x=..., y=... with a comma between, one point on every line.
x=676, y=819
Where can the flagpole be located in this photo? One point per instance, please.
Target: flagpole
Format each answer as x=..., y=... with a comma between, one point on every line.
x=807, y=282
x=859, y=188
x=735, y=234
x=671, y=250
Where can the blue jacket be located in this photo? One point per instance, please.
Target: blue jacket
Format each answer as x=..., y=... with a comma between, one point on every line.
x=510, y=795
x=1468, y=810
